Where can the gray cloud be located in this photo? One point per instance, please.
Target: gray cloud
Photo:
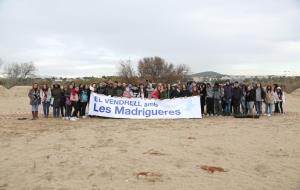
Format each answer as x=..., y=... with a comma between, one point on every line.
x=77, y=38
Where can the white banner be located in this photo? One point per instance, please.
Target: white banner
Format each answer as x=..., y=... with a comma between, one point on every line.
x=137, y=108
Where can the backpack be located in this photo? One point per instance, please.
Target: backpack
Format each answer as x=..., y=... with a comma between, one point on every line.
x=83, y=96
x=68, y=101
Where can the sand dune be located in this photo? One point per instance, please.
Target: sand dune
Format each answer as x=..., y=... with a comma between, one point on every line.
x=109, y=153
x=3, y=91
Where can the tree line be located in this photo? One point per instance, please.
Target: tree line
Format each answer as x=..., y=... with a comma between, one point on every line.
x=155, y=69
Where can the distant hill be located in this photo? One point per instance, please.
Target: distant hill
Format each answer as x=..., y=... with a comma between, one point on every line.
x=208, y=74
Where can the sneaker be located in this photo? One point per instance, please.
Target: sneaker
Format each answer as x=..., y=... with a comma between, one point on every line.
x=73, y=119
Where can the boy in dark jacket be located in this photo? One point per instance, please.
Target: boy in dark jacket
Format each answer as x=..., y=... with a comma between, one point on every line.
x=237, y=94
x=227, y=98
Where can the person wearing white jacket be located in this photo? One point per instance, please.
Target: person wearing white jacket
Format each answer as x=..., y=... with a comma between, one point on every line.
x=269, y=100
x=45, y=94
x=279, y=99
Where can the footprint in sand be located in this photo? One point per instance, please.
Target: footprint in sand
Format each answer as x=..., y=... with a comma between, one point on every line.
x=263, y=170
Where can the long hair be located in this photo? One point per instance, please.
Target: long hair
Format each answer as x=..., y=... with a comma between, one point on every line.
x=35, y=84
x=269, y=88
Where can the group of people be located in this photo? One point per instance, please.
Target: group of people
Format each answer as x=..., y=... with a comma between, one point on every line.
x=70, y=101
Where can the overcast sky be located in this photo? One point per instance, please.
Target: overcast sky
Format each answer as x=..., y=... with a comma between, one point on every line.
x=91, y=37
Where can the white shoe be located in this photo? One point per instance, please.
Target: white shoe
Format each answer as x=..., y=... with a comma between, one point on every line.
x=73, y=119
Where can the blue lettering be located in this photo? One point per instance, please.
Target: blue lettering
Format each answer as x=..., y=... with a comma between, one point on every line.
x=119, y=110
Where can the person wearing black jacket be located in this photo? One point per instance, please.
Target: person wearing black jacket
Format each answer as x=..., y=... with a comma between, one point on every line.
x=56, y=95
x=202, y=94
x=185, y=92
x=236, y=98
x=142, y=91
x=63, y=100
x=175, y=92
x=250, y=99
x=102, y=89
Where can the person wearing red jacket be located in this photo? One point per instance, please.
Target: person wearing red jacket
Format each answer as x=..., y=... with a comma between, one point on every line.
x=156, y=93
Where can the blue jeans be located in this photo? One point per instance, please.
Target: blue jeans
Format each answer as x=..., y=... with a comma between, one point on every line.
x=228, y=106
x=35, y=107
x=46, y=106
x=269, y=108
x=56, y=111
x=250, y=106
x=258, y=105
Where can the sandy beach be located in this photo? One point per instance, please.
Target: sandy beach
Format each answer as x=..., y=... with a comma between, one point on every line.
x=107, y=154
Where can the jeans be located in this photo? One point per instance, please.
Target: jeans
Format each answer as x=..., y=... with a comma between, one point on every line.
x=279, y=107
x=82, y=108
x=46, y=106
x=258, y=107
x=75, y=106
x=210, y=106
x=228, y=106
x=217, y=107
x=244, y=106
x=56, y=112
x=68, y=110
x=35, y=107
x=269, y=108
x=250, y=107
x=62, y=109
x=236, y=106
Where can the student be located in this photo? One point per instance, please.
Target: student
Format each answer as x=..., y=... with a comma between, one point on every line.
x=102, y=89
x=217, y=96
x=276, y=105
x=173, y=92
x=35, y=100
x=149, y=89
x=177, y=92
x=236, y=98
x=243, y=99
x=269, y=100
x=56, y=95
x=163, y=93
x=110, y=88
x=209, y=100
x=142, y=92
x=83, y=100
x=202, y=93
x=259, y=98
x=45, y=97
x=185, y=92
x=227, y=98
x=191, y=86
x=250, y=99
x=93, y=87
x=127, y=92
x=279, y=99
x=156, y=93
x=195, y=91
x=68, y=102
x=118, y=90
x=74, y=97
x=63, y=101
